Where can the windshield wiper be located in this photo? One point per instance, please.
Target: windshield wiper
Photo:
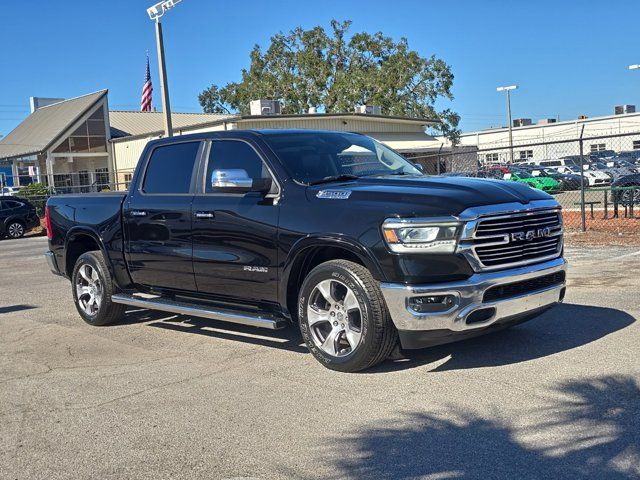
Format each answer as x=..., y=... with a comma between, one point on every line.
x=335, y=178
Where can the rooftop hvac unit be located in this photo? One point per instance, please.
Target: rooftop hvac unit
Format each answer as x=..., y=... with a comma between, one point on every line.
x=522, y=122
x=622, y=109
x=265, y=107
x=547, y=121
x=369, y=109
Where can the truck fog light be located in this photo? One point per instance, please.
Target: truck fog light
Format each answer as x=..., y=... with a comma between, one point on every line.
x=431, y=303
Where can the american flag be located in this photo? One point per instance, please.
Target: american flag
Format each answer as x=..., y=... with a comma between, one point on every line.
x=147, y=90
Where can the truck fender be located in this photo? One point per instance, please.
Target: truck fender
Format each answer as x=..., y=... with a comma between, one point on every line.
x=340, y=241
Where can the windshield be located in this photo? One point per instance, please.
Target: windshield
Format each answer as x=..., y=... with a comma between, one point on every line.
x=315, y=156
x=523, y=174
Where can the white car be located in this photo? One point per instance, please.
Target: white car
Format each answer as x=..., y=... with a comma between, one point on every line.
x=595, y=178
x=10, y=191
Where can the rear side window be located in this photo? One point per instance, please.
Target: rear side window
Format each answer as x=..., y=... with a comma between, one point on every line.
x=11, y=204
x=170, y=168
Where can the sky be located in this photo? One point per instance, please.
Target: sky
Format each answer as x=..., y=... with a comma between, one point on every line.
x=568, y=57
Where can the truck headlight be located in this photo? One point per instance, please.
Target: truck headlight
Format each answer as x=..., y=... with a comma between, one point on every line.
x=421, y=235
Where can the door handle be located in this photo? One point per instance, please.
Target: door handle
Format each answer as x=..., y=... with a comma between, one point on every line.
x=138, y=213
x=204, y=215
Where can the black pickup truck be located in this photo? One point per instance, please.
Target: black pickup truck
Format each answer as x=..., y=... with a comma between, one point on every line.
x=330, y=230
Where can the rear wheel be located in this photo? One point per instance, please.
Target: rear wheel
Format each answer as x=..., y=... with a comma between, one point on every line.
x=343, y=318
x=15, y=230
x=630, y=196
x=92, y=290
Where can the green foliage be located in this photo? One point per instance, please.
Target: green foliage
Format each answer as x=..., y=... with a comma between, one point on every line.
x=34, y=190
x=325, y=70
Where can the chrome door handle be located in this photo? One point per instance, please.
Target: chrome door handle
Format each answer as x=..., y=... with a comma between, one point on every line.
x=204, y=215
x=138, y=213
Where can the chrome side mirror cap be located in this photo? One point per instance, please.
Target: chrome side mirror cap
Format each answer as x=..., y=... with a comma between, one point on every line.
x=231, y=180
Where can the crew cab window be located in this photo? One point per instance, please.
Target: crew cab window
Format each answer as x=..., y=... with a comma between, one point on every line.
x=235, y=155
x=170, y=168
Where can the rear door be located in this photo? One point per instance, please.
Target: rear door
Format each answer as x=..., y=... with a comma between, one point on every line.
x=234, y=234
x=158, y=221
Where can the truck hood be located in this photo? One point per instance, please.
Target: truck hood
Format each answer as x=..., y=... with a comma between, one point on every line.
x=430, y=195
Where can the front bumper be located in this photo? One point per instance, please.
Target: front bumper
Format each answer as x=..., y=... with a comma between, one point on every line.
x=459, y=321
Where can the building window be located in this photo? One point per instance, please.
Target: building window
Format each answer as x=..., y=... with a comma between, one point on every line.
x=598, y=147
x=127, y=180
x=102, y=178
x=525, y=154
x=90, y=137
x=636, y=144
x=492, y=157
x=63, y=183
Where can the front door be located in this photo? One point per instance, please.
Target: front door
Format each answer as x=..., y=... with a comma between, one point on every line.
x=234, y=234
x=158, y=219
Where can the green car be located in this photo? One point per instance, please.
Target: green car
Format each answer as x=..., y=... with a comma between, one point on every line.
x=546, y=184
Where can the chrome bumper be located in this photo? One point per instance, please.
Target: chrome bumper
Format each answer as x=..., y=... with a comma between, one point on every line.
x=469, y=296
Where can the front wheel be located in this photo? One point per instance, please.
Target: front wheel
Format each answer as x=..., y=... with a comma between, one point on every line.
x=343, y=317
x=92, y=290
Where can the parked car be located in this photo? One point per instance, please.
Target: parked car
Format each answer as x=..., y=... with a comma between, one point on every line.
x=615, y=170
x=595, y=178
x=331, y=231
x=546, y=184
x=17, y=216
x=9, y=191
x=566, y=181
x=627, y=196
x=602, y=154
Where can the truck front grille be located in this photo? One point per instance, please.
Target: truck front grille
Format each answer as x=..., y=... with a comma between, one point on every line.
x=518, y=238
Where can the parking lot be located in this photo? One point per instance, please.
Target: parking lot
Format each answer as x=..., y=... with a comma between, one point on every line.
x=165, y=397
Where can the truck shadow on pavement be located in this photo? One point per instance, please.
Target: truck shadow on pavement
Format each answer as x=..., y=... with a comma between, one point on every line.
x=15, y=308
x=564, y=327
x=579, y=429
x=286, y=339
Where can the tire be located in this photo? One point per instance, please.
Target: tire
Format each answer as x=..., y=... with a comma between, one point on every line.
x=343, y=317
x=92, y=288
x=15, y=229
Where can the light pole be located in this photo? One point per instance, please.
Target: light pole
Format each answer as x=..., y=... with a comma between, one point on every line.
x=155, y=13
x=508, y=90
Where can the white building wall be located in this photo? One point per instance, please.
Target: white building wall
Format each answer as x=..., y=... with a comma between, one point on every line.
x=540, y=138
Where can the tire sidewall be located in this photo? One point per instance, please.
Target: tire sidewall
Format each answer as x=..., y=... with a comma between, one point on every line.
x=89, y=259
x=335, y=272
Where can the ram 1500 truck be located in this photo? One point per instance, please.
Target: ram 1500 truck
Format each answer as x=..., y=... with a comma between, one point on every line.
x=330, y=230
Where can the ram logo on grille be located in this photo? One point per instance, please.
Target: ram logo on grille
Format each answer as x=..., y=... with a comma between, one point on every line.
x=531, y=234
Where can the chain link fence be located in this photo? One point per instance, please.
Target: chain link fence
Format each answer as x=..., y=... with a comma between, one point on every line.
x=38, y=188
x=595, y=179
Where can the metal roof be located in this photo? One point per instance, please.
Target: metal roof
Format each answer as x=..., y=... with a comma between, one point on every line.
x=45, y=126
x=131, y=123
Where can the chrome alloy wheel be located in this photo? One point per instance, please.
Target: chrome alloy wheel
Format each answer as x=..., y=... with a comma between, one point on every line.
x=16, y=230
x=335, y=318
x=89, y=290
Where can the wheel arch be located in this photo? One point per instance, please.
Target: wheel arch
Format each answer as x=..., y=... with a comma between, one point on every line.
x=81, y=240
x=311, y=251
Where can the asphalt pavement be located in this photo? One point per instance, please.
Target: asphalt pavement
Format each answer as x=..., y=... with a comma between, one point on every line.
x=161, y=396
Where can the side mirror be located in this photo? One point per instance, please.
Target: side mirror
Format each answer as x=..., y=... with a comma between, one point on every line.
x=419, y=166
x=238, y=181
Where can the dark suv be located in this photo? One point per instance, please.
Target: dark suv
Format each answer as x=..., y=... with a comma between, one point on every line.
x=17, y=216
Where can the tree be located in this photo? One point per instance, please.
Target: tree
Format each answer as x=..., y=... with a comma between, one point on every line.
x=313, y=68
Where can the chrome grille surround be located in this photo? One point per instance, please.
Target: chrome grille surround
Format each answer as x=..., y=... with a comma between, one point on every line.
x=495, y=237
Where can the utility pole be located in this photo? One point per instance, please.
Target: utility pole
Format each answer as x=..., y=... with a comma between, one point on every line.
x=508, y=90
x=155, y=13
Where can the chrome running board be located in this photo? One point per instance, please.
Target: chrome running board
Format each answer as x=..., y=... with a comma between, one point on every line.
x=195, y=310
